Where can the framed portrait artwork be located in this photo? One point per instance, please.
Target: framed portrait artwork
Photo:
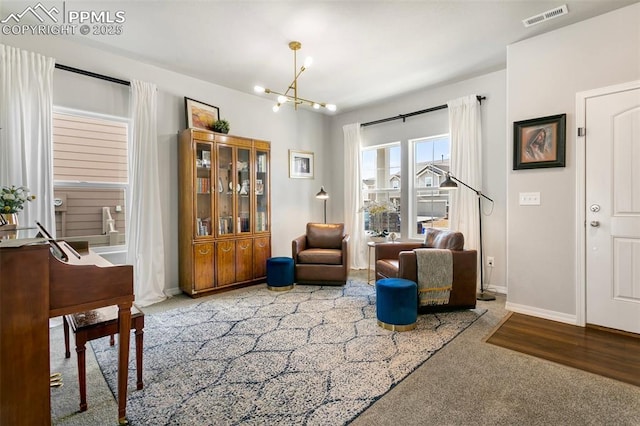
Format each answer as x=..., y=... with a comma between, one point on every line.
x=539, y=142
x=300, y=164
x=200, y=115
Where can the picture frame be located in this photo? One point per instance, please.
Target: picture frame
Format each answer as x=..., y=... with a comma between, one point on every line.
x=539, y=142
x=200, y=115
x=301, y=164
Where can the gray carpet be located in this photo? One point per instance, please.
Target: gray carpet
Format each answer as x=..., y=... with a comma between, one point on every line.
x=310, y=356
x=467, y=382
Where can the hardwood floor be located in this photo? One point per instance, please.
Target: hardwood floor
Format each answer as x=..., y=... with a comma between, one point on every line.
x=605, y=352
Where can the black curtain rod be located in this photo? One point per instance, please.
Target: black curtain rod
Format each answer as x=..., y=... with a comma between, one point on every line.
x=403, y=117
x=93, y=74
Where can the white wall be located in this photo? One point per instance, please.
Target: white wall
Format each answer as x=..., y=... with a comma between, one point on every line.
x=293, y=201
x=544, y=75
x=494, y=153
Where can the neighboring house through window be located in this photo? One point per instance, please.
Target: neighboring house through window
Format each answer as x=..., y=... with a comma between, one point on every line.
x=91, y=180
x=429, y=206
x=382, y=172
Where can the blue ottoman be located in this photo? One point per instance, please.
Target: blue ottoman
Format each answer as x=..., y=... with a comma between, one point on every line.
x=280, y=273
x=397, y=304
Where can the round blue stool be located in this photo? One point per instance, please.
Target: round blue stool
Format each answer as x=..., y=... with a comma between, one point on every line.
x=280, y=273
x=397, y=304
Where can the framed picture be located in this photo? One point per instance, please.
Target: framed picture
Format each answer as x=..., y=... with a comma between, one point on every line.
x=539, y=142
x=200, y=115
x=300, y=164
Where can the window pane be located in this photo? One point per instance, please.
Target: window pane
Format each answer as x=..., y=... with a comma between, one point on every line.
x=430, y=205
x=381, y=180
x=90, y=177
x=89, y=149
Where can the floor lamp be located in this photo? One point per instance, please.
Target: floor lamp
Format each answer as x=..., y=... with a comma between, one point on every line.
x=322, y=195
x=450, y=183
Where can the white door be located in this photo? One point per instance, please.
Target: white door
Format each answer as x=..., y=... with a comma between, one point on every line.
x=613, y=210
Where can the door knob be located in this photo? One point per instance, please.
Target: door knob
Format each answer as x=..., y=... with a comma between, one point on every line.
x=595, y=223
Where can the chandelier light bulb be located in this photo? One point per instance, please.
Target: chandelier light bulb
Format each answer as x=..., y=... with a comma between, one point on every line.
x=276, y=107
x=308, y=61
x=258, y=89
x=316, y=105
x=331, y=107
x=282, y=99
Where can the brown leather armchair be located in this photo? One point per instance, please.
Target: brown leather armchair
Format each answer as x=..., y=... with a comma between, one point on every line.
x=398, y=260
x=320, y=256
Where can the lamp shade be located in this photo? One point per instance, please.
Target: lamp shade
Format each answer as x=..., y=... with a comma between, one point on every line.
x=322, y=195
x=448, y=183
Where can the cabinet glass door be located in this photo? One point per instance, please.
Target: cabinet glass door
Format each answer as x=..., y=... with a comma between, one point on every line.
x=225, y=188
x=203, y=189
x=261, y=191
x=243, y=190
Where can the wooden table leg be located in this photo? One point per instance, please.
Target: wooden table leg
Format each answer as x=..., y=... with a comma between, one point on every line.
x=81, y=341
x=139, y=324
x=124, y=323
x=65, y=327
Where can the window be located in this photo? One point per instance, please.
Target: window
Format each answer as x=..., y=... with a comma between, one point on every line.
x=429, y=206
x=381, y=184
x=91, y=181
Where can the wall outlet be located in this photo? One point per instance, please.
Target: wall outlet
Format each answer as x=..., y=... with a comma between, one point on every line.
x=490, y=261
x=529, y=198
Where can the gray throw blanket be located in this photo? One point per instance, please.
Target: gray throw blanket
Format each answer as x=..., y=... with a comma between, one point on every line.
x=435, y=276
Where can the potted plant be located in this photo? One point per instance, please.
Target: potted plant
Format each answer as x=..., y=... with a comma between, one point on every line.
x=378, y=210
x=221, y=126
x=12, y=200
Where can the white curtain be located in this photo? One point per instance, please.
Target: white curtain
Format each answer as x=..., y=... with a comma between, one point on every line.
x=26, y=102
x=353, y=219
x=144, y=234
x=466, y=164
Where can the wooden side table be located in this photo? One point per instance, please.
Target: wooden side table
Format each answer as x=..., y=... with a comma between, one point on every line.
x=370, y=245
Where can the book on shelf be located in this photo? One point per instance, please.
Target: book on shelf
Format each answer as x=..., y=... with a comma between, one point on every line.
x=203, y=185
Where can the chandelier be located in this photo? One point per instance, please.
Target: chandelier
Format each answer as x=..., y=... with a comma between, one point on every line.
x=291, y=94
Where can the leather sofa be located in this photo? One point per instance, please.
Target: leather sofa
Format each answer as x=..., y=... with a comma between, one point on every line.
x=398, y=260
x=320, y=255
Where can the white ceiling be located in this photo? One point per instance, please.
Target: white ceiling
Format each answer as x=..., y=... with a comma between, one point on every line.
x=363, y=51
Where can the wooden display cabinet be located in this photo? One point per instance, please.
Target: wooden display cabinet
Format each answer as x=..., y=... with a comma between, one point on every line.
x=224, y=212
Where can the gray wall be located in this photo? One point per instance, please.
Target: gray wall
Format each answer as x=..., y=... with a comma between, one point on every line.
x=534, y=247
x=494, y=151
x=544, y=75
x=293, y=201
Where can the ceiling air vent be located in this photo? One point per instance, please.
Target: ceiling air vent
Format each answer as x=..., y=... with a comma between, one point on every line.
x=545, y=16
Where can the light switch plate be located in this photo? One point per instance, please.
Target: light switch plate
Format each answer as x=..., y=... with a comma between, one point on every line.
x=529, y=198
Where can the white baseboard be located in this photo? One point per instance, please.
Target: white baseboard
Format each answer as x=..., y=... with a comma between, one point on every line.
x=497, y=289
x=173, y=291
x=542, y=313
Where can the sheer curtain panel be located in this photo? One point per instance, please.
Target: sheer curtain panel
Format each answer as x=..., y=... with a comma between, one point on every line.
x=26, y=102
x=145, y=239
x=353, y=219
x=466, y=164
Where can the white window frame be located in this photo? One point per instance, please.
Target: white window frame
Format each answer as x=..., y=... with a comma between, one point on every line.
x=101, y=239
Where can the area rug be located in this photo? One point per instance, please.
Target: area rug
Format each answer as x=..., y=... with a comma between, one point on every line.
x=313, y=355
